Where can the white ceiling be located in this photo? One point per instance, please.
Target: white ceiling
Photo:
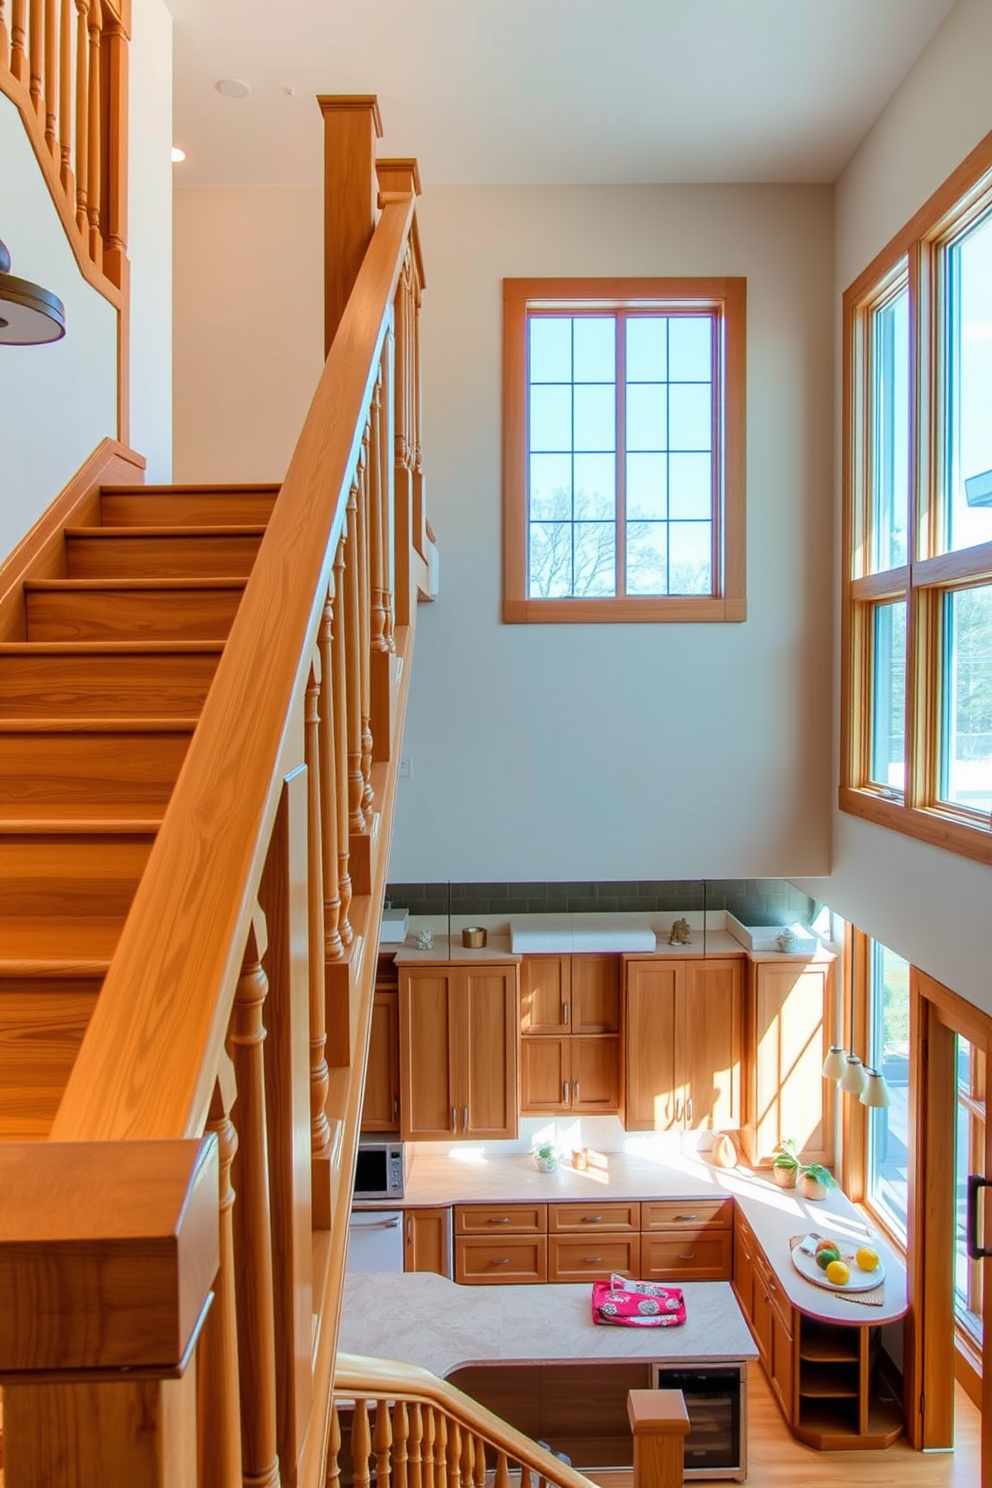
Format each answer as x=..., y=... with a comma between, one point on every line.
x=546, y=91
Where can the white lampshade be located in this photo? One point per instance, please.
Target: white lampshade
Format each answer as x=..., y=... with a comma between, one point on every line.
x=835, y=1063
x=876, y=1091
x=854, y=1079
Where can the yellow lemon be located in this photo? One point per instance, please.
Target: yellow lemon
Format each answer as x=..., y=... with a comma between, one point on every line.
x=839, y=1273
x=867, y=1258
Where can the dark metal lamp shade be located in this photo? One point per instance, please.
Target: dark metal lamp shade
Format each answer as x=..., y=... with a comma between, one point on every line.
x=29, y=315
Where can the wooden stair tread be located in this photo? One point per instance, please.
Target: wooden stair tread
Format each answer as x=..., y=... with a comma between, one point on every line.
x=193, y=488
x=58, y=944
x=136, y=725
x=70, y=586
x=102, y=817
x=111, y=648
x=237, y=529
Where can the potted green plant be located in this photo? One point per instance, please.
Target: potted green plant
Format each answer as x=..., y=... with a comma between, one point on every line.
x=785, y=1164
x=546, y=1158
x=815, y=1180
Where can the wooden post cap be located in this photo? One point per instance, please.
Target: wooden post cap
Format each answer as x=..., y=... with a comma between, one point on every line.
x=399, y=175
x=108, y=1251
x=657, y=1413
x=341, y=103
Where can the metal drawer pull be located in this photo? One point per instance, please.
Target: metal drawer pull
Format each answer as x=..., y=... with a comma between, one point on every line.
x=575, y=1092
x=564, y=1099
x=500, y=1219
x=464, y=1118
x=396, y=1106
x=454, y=1119
x=376, y=1224
x=681, y=1217
x=691, y=1256
x=503, y=1261
x=592, y=1219
x=564, y=1012
x=593, y=1261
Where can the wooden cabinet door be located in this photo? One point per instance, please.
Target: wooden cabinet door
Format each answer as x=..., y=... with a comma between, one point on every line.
x=595, y=1074
x=426, y=1242
x=595, y=994
x=709, y=1042
x=381, y=1105
x=789, y=1040
x=744, y=1268
x=782, y=1362
x=545, y=995
x=487, y=1097
x=545, y=1074
x=428, y=1096
x=654, y=1100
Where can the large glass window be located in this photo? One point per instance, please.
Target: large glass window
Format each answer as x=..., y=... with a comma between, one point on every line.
x=889, y=697
x=966, y=691
x=969, y=1157
x=888, y=1126
x=623, y=450
x=968, y=387
x=889, y=393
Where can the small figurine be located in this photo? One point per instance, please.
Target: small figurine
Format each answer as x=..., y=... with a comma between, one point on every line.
x=425, y=940
x=680, y=933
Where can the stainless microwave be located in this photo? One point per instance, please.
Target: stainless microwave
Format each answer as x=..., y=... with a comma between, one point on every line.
x=380, y=1169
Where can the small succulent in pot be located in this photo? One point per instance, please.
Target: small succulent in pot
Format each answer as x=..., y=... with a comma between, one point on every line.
x=546, y=1158
x=786, y=1164
x=815, y=1180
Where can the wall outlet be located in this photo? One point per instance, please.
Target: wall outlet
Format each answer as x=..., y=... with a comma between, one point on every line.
x=406, y=766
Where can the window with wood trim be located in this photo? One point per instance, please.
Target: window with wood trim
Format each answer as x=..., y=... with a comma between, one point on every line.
x=623, y=450
x=917, y=615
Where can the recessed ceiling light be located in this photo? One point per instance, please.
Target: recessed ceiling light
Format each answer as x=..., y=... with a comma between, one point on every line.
x=177, y=155
x=233, y=87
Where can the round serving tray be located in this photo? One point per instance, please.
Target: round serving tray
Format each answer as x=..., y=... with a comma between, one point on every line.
x=861, y=1281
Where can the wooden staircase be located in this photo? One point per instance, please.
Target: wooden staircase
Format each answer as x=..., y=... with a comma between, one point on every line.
x=103, y=672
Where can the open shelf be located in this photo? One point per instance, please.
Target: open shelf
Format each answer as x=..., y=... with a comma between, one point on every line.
x=828, y=1382
x=828, y=1342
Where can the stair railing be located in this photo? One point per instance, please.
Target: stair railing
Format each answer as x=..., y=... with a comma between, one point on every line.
x=230, y=1034
x=64, y=63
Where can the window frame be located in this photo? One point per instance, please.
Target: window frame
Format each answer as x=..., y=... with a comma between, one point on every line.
x=727, y=298
x=916, y=255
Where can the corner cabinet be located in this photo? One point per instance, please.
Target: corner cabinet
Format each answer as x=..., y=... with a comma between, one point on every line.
x=790, y=1007
x=570, y=1034
x=458, y=1051
x=683, y=1022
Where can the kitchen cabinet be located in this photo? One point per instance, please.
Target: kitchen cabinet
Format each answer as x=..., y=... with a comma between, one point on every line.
x=458, y=1051
x=683, y=1022
x=570, y=1057
x=788, y=1033
x=426, y=1240
x=381, y=1103
x=687, y=1240
x=500, y=1243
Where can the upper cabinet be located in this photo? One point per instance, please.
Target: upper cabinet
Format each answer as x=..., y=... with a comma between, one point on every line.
x=458, y=1051
x=570, y=1026
x=787, y=1038
x=683, y=1042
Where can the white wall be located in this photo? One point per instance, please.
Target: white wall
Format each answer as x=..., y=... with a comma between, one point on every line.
x=249, y=327
x=150, y=235
x=56, y=401
x=624, y=751
x=928, y=905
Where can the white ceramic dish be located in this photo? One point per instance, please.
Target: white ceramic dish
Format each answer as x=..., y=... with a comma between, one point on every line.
x=861, y=1281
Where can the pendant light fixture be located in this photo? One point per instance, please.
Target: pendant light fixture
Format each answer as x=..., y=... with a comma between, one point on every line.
x=29, y=315
x=853, y=1077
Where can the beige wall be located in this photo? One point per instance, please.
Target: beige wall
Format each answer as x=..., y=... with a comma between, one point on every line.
x=928, y=905
x=248, y=339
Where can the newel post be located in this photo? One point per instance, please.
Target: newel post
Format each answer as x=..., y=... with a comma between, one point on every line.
x=351, y=127
x=660, y=1424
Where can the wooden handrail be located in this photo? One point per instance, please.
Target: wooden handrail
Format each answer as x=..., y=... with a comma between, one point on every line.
x=148, y=1063
x=357, y=1377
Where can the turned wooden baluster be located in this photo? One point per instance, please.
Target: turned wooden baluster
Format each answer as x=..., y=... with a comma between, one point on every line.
x=18, y=55
x=468, y=1457
x=353, y=639
x=339, y=670
x=252, y=1221
x=4, y=38
x=377, y=476
x=387, y=535
x=218, y=1402
x=403, y=588
x=381, y=1443
x=51, y=74
x=480, y=1463
x=454, y=1456
x=502, y=1478
x=416, y=1447
x=82, y=116
x=332, y=1477
x=36, y=54
x=320, y=1131
x=419, y=514
x=333, y=946
x=65, y=101
x=441, y=1452
x=115, y=71
x=430, y=1435
x=94, y=154
x=365, y=626
x=361, y=1445
x=401, y=1435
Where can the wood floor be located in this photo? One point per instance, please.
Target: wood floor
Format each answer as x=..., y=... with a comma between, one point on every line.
x=776, y=1460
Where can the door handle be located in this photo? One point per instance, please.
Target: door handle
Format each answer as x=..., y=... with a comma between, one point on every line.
x=976, y=1252
x=575, y=1093
x=454, y=1119
x=564, y=1012
x=396, y=1107
x=378, y=1224
x=688, y=1110
x=564, y=1097
x=464, y=1118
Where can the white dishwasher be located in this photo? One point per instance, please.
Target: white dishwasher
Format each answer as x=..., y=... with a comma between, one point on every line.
x=375, y=1240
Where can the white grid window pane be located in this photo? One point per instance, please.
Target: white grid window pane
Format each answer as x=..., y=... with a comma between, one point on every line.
x=690, y=558
x=647, y=487
x=550, y=348
x=550, y=418
x=647, y=348
x=647, y=558
x=595, y=417
x=690, y=416
x=594, y=348
x=595, y=487
x=550, y=488
x=647, y=416
x=690, y=348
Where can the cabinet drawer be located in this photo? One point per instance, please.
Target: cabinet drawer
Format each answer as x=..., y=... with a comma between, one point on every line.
x=495, y=1220
x=696, y=1255
x=592, y=1257
x=695, y=1214
x=765, y=1278
x=585, y=1219
x=484, y=1261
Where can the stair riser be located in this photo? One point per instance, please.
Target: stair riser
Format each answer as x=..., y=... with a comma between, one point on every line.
x=130, y=615
x=179, y=557
x=41, y=686
x=49, y=769
x=96, y=875
x=41, y=1028
x=186, y=508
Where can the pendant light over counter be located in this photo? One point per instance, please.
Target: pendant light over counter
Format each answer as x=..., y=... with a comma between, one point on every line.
x=29, y=315
x=855, y=1078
